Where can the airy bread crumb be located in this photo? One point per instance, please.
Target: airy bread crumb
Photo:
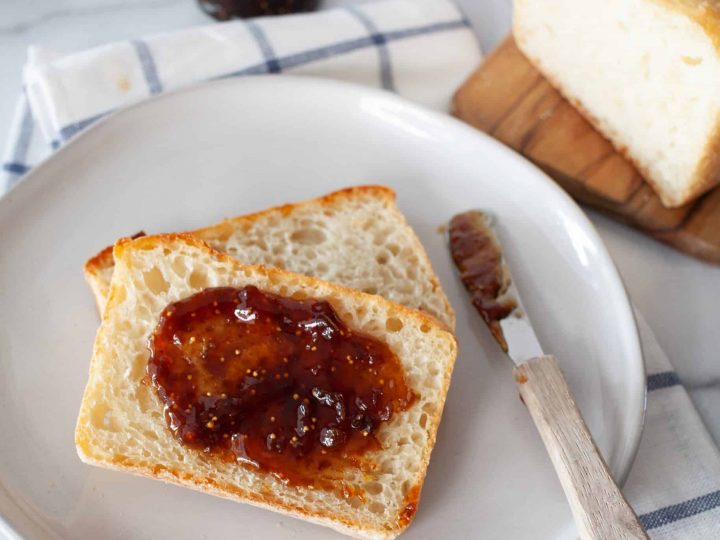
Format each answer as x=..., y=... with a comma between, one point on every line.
x=356, y=237
x=121, y=423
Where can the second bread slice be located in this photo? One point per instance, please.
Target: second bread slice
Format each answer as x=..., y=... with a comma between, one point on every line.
x=356, y=237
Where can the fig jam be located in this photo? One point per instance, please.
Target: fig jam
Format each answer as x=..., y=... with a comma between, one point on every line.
x=478, y=258
x=274, y=383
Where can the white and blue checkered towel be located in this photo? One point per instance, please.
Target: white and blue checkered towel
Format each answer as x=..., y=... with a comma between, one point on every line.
x=421, y=49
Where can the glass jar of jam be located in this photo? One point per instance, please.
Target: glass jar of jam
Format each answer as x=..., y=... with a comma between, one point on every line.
x=223, y=10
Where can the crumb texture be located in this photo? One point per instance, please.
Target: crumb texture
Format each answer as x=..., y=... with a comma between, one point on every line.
x=121, y=423
x=356, y=238
x=644, y=73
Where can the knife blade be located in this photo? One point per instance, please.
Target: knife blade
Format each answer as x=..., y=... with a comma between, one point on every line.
x=598, y=506
x=484, y=272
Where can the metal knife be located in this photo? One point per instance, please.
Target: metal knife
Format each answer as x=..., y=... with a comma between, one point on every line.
x=598, y=506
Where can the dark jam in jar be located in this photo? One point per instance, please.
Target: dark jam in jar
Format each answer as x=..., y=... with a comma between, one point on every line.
x=226, y=9
x=275, y=383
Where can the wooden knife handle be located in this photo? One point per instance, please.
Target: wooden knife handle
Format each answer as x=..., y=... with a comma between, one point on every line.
x=600, y=510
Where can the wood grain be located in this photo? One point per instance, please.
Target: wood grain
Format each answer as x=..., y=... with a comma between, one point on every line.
x=598, y=506
x=509, y=99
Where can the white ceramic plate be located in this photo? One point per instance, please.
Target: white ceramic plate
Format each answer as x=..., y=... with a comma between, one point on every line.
x=191, y=158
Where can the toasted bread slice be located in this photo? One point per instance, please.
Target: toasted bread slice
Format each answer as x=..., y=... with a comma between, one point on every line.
x=121, y=423
x=356, y=237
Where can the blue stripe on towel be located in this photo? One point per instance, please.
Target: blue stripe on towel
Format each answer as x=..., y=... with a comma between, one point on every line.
x=15, y=168
x=662, y=380
x=429, y=29
x=320, y=53
x=271, y=62
x=676, y=512
x=343, y=47
x=68, y=131
x=148, y=66
x=383, y=52
x=25, y=135
x=18, y=156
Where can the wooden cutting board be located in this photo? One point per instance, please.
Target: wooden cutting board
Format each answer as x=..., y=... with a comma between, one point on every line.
x=509, y=99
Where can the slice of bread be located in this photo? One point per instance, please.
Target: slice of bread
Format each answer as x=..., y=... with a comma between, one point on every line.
x=644, y=73
x=121, y=423
x=356, y=237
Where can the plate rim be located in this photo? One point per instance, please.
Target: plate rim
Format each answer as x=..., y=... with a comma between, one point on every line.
x=447, y=120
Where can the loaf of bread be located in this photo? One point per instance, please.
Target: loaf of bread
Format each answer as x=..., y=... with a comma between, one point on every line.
x=356, y=237
x=121, y=423
x=645, y=73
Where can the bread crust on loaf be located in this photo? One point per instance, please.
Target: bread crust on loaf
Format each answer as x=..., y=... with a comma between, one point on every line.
x=704, y=12
x=265, y=498
x=708, y=171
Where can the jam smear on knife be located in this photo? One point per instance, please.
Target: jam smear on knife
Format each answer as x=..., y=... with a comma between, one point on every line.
x=478, y=257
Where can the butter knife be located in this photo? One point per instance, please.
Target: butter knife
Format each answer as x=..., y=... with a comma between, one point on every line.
x=597, y=504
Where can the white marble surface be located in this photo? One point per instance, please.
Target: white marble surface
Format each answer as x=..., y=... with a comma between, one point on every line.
x=680, y=297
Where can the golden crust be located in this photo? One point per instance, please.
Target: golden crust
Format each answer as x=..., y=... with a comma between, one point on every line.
x=99, y=261
x=381, y=192
x=707, y=173
x=104, y=260
x=706, y=13
x=92, y=269
x=266, y=499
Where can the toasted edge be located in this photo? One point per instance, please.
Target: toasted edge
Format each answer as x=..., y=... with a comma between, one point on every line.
x=266, y=499
x=92, y=269
x=705, y=13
